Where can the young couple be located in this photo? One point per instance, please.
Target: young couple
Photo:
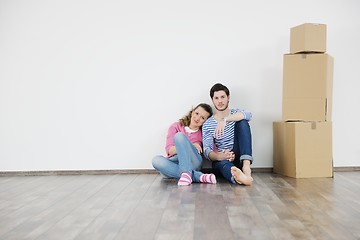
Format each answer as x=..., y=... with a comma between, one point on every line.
x=224, y=138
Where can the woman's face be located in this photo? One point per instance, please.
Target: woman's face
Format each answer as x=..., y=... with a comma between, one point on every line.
x=198, y=117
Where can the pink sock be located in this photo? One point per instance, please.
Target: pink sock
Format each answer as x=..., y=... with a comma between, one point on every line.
x=185, y=179
x=208, y=178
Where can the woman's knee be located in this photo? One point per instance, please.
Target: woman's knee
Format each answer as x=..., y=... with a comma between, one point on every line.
x=157, y=161
x=179, y=136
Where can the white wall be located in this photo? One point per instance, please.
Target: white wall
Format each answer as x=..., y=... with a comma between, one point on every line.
x=95, y=84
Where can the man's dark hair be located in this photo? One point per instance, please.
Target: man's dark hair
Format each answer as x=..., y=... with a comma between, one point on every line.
x=219, y=87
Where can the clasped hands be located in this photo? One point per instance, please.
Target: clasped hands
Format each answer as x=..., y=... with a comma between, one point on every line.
x=227, y=155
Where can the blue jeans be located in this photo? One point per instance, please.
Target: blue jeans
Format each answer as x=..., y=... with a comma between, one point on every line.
x=187, y=159
x=242, y=149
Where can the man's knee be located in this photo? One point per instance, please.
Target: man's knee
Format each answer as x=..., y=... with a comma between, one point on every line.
x=242, y=125
x=242, y=128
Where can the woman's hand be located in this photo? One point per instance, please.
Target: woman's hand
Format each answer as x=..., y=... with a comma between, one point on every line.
x=198, y=147
x=172, y=150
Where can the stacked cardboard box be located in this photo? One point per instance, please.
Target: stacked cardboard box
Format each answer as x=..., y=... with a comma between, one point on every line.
x=303, y=139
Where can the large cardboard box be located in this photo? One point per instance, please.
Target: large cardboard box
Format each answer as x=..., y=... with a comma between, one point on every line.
x=302, y=149
x=308, y=37
x=307, y=87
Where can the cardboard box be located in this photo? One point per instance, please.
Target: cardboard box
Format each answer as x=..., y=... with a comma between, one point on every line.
x=307, y=87
x=303, y=149
x=308, y=37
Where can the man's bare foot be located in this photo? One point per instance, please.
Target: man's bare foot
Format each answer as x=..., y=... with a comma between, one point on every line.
x=240, y=177
x=247, y=171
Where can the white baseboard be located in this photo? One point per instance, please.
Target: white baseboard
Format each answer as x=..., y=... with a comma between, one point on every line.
x=131, y=171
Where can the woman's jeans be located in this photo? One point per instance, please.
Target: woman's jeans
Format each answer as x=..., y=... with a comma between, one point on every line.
x=242, y=149
x=187, y=159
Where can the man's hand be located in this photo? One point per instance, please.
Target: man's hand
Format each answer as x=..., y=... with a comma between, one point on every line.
x=227, y=155
x=219, y=130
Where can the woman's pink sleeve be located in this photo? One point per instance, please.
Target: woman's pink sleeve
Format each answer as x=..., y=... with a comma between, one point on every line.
x=173, y=129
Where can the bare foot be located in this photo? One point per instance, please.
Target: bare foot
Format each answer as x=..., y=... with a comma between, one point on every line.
x=240, y=177
x=247, y=171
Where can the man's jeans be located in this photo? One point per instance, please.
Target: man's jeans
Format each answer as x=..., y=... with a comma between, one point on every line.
x=242, y=149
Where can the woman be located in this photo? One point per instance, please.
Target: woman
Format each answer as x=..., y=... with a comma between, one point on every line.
x=184, y=149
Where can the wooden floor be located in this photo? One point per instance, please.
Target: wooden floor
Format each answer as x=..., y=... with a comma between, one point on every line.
x=144, y=206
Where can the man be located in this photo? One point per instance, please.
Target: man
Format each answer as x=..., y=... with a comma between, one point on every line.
x=227, y=138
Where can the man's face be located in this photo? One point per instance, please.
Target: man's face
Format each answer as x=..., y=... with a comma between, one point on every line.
x=220, y=100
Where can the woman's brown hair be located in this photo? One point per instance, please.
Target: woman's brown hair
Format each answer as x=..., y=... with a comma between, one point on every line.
x=185, y=121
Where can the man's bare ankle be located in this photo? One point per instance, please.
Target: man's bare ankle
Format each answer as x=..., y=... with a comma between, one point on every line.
x=246, y=162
